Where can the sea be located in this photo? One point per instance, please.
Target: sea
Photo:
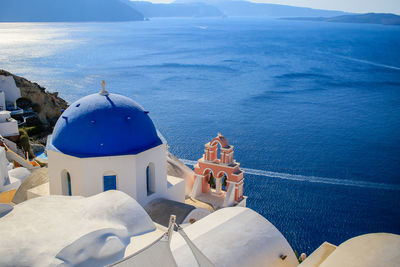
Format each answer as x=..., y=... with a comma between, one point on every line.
x=311, y=108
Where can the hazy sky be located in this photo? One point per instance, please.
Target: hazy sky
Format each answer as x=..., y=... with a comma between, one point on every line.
x=360, y=6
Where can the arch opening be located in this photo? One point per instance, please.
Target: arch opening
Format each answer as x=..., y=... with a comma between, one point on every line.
x=209, y=175
x=218, y=150
x=150, y=179
x=66, y=185
x=224, y=178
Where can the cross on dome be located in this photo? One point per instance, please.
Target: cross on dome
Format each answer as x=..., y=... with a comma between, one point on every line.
x=103, y=89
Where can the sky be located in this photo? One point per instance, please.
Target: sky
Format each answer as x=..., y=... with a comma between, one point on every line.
x=356, y=6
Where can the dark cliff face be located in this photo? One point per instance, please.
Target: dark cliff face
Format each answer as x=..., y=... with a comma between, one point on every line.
x=51, y=105
x=66, y=11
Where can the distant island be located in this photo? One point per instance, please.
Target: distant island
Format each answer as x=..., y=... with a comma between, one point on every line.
x=128, y=10
x=243, y=8
x=372, y=18
x=151, y=10
x=66, y=11
x=225, y=8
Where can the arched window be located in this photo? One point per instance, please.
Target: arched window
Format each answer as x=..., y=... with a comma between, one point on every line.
x=110, y=182
x=209, y=175
x=224, y=182
x=66, y=185
x=150, y=179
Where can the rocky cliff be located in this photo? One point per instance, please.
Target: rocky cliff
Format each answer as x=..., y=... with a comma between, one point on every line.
x=50, y=104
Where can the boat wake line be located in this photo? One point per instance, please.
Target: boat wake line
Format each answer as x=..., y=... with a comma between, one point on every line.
x=371, y=63
x=312, y=179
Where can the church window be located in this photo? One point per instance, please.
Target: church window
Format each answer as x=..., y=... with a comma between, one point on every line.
x=150, y=179
x=66, y=183
x=110, y=182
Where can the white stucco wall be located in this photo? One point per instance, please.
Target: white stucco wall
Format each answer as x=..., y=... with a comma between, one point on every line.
x=176, y=188
x=93, y=170
x=87, y=174
x=57, y=162
x=156, y=155
x=10, y=89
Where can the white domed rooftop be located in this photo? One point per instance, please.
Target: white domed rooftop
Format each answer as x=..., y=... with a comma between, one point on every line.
x=370, y=250
x=235, y=236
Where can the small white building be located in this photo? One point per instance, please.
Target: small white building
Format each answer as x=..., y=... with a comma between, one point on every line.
x=108, y=142
x=10, y=177
x=8, y=126
x=10, y=92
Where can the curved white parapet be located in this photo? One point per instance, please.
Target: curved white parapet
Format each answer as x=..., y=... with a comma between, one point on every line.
x=235, y=236
x=68, y=230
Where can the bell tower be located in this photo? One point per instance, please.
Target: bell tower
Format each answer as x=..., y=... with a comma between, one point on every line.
x=223, y=168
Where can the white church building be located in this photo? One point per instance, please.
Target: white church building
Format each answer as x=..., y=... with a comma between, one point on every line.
x=108, y=142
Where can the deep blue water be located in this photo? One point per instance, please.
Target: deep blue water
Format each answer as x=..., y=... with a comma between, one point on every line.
x=316, y=105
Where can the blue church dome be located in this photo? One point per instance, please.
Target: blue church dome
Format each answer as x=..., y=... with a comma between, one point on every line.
x=104, y=125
